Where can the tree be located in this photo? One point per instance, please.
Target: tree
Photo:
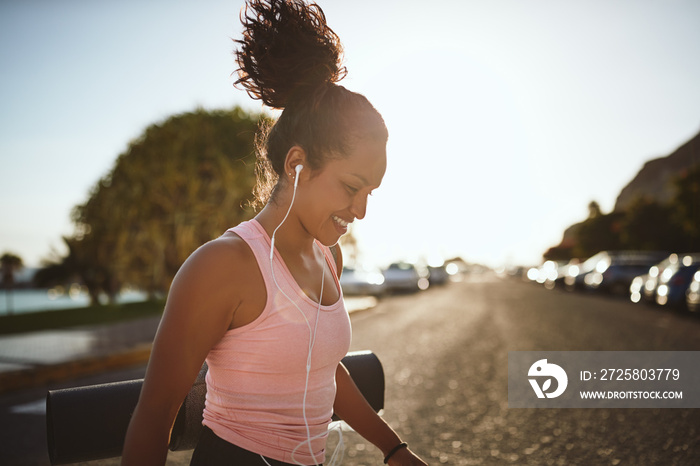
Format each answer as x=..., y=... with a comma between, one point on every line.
x=180, y=184
x=648, y=226
x=672, y=226
x=598, y=233
x=686, y=207
x=79, y=265
x=9, y=263
x=558, y=253
x=594, y=210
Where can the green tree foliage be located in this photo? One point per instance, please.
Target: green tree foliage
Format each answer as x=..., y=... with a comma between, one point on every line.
x=79, y=266
x=9, y=264
x=598, y=233
x=558, y=253
x=179, y=185
x=670, y=227
x=686, y=204
x=645, y=225
x=594, y=210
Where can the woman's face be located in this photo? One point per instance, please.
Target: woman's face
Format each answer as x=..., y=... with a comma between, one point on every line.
x=336, y=195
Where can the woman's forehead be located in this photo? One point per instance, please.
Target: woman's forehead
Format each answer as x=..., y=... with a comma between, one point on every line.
x=366, y=162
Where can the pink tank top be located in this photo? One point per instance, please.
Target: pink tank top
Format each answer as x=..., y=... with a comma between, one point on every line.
x=257, y=373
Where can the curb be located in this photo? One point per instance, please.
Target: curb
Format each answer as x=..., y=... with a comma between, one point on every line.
x=42, y=375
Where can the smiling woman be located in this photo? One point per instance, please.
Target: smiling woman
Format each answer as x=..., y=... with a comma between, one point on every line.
x=262, y=304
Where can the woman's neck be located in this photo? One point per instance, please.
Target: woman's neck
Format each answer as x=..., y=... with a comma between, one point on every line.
x=291, y=237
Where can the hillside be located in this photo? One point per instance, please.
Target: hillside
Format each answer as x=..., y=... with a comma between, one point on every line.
x=655, y=179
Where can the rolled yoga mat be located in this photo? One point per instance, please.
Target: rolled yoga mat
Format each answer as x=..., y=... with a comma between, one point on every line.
x=90, y=423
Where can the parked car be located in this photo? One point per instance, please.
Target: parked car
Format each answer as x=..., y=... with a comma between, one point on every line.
x=637, y=287
x=651, y=280
x=404, y=277
x=362, y=282
x=438, y=275
x=675, y=280
x=547, y=272
x=557, y=277
x=576, y=275
x=692, y=296
x=614, y=273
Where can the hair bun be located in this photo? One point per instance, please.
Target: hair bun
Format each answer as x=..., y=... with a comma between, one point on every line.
x=287, y=51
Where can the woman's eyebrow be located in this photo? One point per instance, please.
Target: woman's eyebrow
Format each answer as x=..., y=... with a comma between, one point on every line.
x=361, y=178
x=364, y=181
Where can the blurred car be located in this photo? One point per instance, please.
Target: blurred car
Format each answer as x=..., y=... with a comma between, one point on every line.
x=544, y=273
x=404, y=277
x=361, y=282
x=637, y=287
x=675, y=280
x=557, y=278
x=692, y=296
x=576, y=274
x=651, y=280
x=438, y=275
x=614, y=273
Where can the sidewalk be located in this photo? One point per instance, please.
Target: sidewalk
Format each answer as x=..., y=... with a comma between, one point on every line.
x=38, y=358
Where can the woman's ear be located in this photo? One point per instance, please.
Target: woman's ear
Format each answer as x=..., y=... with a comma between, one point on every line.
x=296, y=157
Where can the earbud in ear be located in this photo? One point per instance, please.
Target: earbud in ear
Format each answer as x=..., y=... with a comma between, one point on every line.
x=298, y=169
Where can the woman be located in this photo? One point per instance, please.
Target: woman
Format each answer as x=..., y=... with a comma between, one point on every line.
x=262, y=303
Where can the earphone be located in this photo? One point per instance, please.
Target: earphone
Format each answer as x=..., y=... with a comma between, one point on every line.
x=312, y=333
x=298, y=170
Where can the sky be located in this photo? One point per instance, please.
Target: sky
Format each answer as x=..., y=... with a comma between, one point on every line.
x=506, y=117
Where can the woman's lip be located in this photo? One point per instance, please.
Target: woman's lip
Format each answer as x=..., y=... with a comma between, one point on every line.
x=341, y=227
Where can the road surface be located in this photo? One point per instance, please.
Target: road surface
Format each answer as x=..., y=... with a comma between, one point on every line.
x=445, y=356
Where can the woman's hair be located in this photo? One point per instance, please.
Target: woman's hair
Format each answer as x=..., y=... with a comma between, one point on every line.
x=290, y=59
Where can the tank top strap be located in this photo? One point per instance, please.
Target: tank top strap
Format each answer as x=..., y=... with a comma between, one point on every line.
x=332, y=264
x=256, y=237
x=259, y=242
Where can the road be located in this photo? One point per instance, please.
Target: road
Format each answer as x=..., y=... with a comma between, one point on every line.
x=445, y=356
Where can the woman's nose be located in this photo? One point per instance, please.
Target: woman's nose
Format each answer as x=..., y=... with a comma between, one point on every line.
x=359, y=207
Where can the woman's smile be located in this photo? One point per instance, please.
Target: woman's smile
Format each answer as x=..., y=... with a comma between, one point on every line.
x=340, y=224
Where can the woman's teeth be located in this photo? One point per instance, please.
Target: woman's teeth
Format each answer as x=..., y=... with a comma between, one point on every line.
x=340, y=221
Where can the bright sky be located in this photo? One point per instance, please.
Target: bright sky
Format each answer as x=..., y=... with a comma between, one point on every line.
x=506, y=117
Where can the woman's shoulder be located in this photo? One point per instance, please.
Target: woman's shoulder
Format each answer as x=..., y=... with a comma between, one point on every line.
x=218, y=262
x=229, y=252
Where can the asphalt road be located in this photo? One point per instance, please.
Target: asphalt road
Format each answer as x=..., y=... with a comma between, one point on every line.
x=445, y=356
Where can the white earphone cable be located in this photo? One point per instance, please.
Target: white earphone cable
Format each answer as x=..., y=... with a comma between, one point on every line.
x=312, y=340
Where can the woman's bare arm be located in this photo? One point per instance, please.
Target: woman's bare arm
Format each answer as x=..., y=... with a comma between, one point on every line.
x=352, y=407
x=200, y=308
